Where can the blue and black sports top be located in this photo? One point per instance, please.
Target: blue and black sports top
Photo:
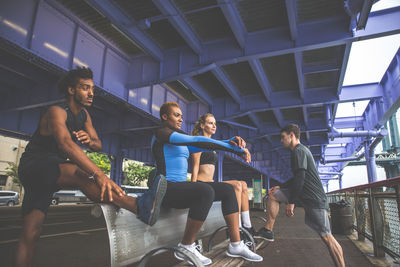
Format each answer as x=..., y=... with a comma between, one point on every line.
x=171, y=150
x=209, y=157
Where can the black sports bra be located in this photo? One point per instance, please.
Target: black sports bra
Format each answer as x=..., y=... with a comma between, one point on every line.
x=210, y=157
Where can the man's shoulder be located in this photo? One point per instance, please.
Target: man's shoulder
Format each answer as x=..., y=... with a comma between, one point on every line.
x=301, y=148
x=56, y=110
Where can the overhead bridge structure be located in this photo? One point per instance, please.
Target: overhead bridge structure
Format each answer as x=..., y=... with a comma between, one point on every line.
x=256, y=65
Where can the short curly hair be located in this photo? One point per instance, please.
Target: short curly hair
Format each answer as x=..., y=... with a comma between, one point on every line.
x=71, y=79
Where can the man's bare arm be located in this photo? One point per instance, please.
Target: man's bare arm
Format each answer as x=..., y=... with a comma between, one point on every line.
x=56, y=118
x=89, y=136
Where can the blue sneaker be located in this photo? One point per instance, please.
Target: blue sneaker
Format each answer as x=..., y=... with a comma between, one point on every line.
x=150, y=202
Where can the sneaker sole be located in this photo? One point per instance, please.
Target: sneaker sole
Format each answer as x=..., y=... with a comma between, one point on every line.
x=182, y=259
x=262, y=237
x=240, y=256
x=161, y=190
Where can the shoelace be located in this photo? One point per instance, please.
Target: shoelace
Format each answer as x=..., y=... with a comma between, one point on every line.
x=198, y=247
x=249, y=244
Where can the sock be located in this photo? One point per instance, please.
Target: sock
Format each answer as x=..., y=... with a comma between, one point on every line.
x=235, y=244
x=246, y=219
x=240, y=221
x=186, y=246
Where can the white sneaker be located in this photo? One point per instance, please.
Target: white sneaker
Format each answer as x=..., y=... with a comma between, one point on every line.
x=243, y=251
x=193, y=248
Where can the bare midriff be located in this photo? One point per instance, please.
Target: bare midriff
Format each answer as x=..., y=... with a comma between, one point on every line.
x=206, y=173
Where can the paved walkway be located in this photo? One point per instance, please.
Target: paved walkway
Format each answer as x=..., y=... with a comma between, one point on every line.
x=295, y=245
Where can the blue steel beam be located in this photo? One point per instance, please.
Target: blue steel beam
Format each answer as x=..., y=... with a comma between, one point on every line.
x=268, y=43
x=235, y=21
x=127, y=26
x=348, y=122
x=288, y=99
x=197, y=90
x=314, y=96
x=361, y=92
x=298, y=58
x=291, y=11
x=33, y=105
x=344, y=66
x=228, y=85
x=238, y=124
x=82, y=25
x=181, y=26
x=261, y=78
x=279, y=117
x=321, y=68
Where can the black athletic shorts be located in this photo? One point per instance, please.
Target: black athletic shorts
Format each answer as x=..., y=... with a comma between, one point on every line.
x=39, y=175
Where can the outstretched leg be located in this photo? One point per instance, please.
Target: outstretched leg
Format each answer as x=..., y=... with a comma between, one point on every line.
x=335, y=250
x=73, y=177
x=272, y=211
x=30, y=234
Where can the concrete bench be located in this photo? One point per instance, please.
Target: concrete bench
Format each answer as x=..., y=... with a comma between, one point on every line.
x=131, y=240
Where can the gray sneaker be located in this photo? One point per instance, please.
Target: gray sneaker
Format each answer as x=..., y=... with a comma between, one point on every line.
x=243, y=251
x=193, y=249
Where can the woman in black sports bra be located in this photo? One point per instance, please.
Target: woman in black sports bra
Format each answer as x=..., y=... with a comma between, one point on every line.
x=204, y=167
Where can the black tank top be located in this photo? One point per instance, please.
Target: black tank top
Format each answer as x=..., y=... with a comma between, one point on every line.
x=209, y=157
x=40, y=145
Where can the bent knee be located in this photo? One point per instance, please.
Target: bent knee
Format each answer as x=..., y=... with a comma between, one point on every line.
x=271, y=196
x=237, y=186
x=244, y=186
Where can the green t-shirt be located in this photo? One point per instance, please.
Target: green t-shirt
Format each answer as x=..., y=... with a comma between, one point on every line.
x=312, y=194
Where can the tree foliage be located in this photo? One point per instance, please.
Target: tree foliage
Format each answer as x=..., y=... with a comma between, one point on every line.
x=12, y=171
x=101, y=160
x=136, y=172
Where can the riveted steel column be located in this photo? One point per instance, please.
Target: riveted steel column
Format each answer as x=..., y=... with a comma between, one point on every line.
x=376, y=223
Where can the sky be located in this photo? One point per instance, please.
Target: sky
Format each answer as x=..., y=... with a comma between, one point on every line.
x=362, y=69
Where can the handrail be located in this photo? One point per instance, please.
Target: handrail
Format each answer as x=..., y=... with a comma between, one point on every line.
x=387, y=183
x=376, y=213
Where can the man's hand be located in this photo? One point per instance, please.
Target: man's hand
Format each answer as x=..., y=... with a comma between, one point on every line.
x=246, y=156
x=273, y=189
x=82, y=137
x=106, y=184
x=289, y=210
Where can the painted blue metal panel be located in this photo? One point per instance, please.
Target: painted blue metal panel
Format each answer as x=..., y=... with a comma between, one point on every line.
x=115, y=74
x=29, y=121
x=89, y=52
x=16, y=19
x=158, y=99
x=171, y=97
x=140, y=97
x=53, y=35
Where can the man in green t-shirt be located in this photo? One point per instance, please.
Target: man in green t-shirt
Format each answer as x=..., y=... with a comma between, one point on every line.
x=306, y=187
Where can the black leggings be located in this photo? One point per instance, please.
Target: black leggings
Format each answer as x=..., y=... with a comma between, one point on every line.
x=198, y=197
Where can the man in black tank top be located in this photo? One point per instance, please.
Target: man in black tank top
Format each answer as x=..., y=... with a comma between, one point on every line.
x=52, y=160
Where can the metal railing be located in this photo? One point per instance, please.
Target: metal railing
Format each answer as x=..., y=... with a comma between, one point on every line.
x=376, y=210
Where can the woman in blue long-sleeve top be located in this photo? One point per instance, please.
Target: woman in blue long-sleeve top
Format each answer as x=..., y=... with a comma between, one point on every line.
x=171, y=149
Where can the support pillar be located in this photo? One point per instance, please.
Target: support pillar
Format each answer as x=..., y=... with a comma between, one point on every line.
x=220, y=164
x=340, y=182
x=116, y=168
x=370, y=161
x=377, y=224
